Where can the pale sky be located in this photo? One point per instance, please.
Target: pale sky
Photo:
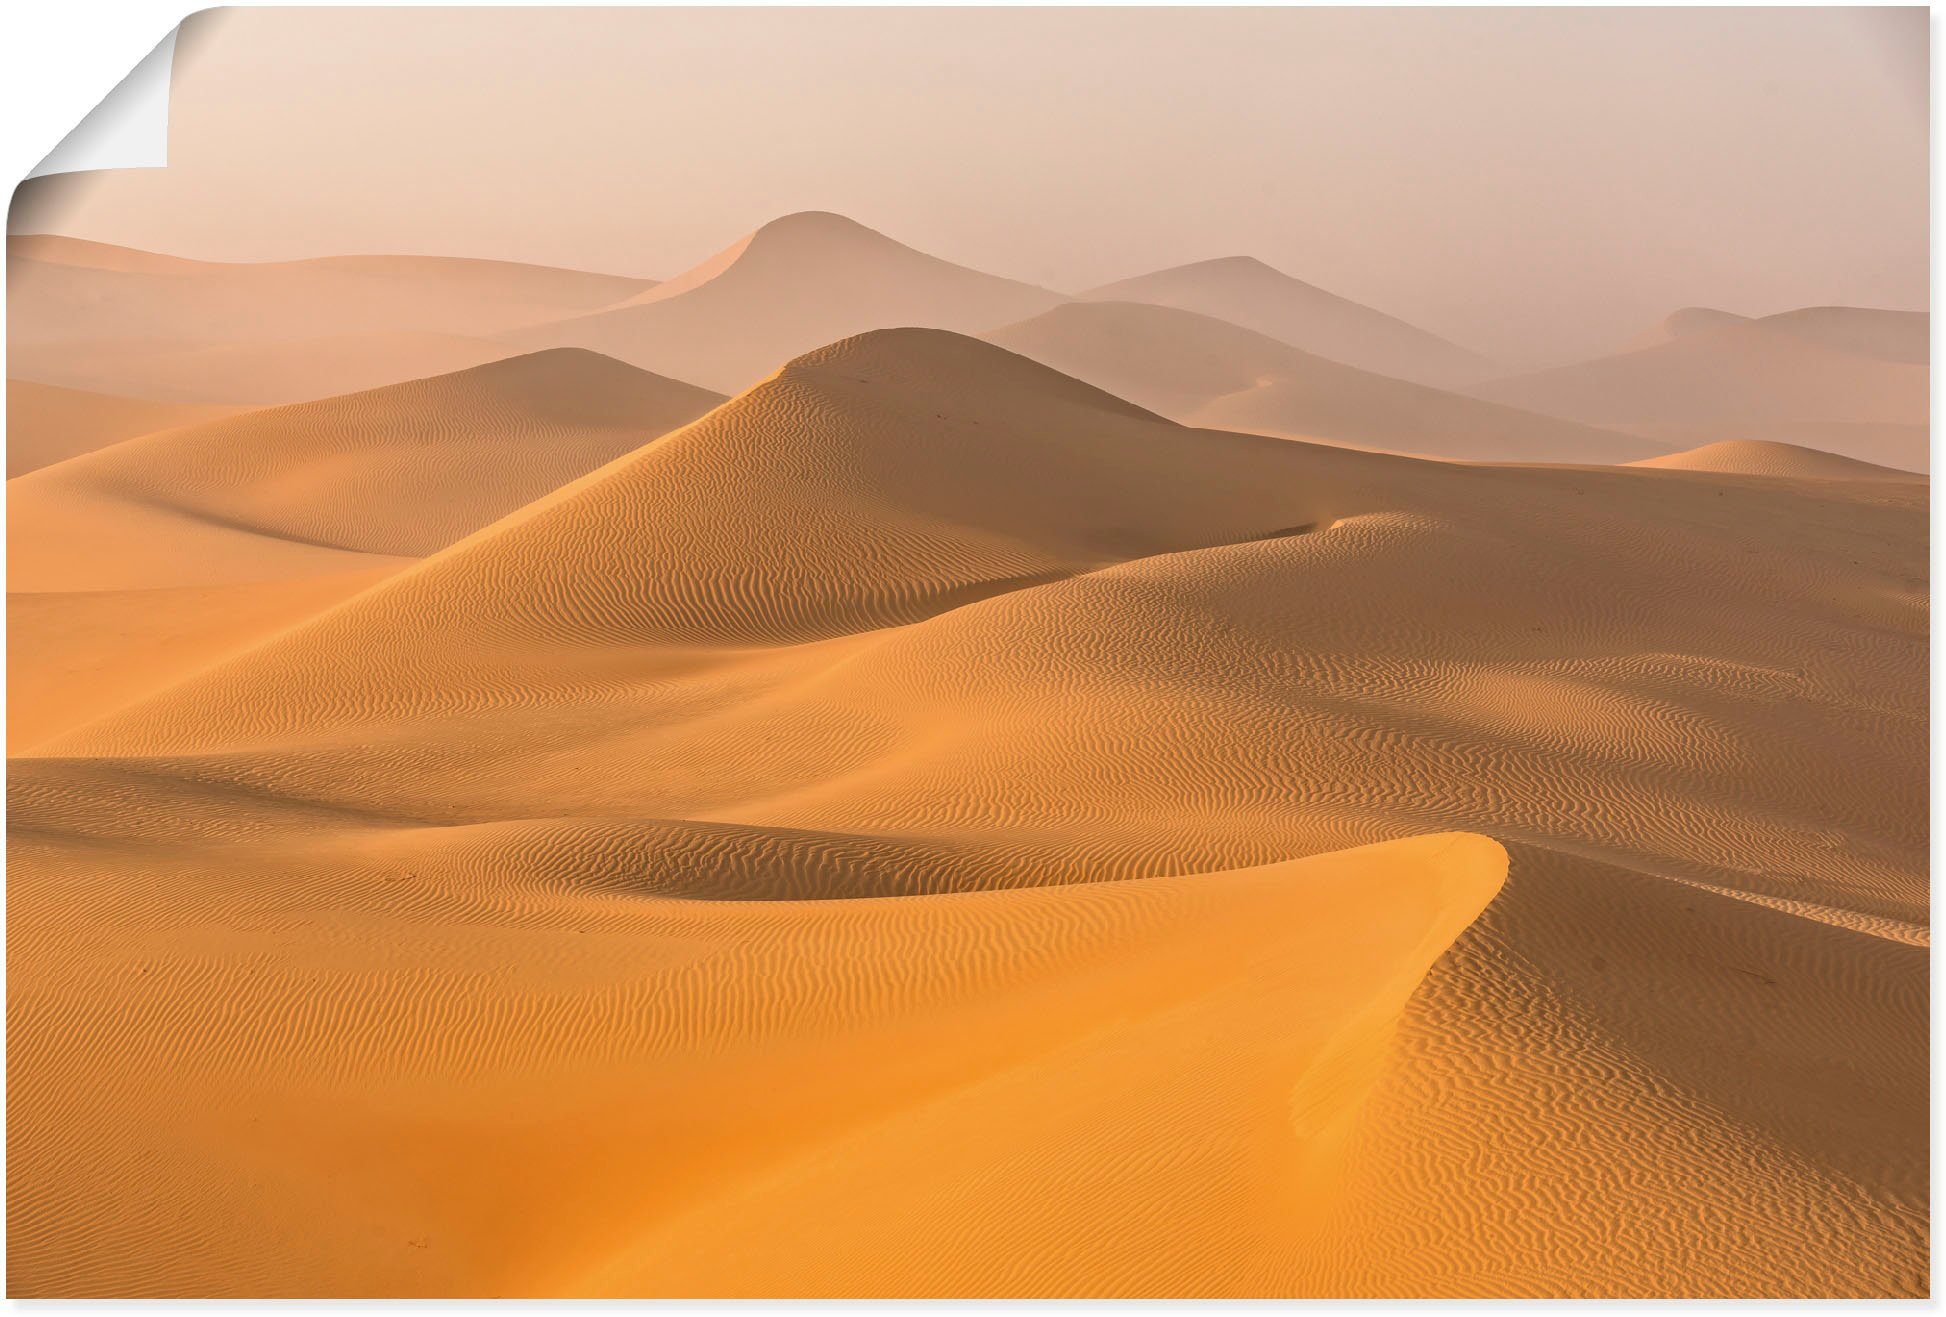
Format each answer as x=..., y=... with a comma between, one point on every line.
x=1535, y=183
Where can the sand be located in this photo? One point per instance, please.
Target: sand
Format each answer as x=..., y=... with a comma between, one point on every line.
x=1852, y=380
x=367, y=473
x=1791, y=461
x=931, y=827
x=90, y=316
x=1246, y=292
x=1206, y=372
x=46, y=424
x=133, y=566
x=797, y=283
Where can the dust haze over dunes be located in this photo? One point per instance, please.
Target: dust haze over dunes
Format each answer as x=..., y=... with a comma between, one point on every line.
x=48, y=424
x=792, y=285
x=88, y=315
x=1850, y=380
x=1203, y=371
x=992, y=808
x=1245, y=291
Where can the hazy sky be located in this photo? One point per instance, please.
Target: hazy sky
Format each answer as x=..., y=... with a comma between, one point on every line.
x=1537, y=183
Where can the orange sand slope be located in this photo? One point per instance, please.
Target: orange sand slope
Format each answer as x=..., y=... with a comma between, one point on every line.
x=46, y=424
x=1201, y=371
x=73, y=656
x=697, y=1097
x=1753, y=458
x=140, y=563
x=512, y=851
x=1858, y=376
x=1245, y=291
x=91, y=316
x=377, y=472
x=797, y=282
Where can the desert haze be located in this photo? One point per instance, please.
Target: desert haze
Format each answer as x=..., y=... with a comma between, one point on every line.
x=840, y=774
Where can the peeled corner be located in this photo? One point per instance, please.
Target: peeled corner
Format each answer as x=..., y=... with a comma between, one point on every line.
x=129, y=129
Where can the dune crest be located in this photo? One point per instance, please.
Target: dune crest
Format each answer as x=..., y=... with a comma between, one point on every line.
x=1246, y=292
x=927, y=735
x=1752, y=457
x=1858, y=375
x=91, y=316
x=47, y=424
x=1204, y=372
x=365, y=473
x=798, y=282
x=1063, y=1034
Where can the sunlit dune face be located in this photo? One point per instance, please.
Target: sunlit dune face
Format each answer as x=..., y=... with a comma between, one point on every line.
x=852, y=773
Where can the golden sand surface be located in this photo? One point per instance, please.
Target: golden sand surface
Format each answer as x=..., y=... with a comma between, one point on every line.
x=928, y=826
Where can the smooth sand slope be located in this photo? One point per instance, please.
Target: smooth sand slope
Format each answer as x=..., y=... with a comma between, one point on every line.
x=136, y=564
x=792, y=285
x=91, y=316
x=1851, y=380
x=1752, y=458
x=1245, y=291
x=704, y=1097
x=46, y=424
x=1206, y=372
x=262, y=373
x=574, y=841
x=399, y=471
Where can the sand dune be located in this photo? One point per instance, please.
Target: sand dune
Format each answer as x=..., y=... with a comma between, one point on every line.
x=1751, y=458
x=1836, y=367
x=1681, y=323
x=366, y=473
x=73, y=656
x=1246, y=292
x=794, y=284
x=917, y=617
x=90, y=316
x=1205, y=372
x=263, y=373
x=47, y=424
x=134, y=566
x=66, y=289
x=634, y=1087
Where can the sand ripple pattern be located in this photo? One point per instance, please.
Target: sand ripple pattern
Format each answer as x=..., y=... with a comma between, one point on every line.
x=898, y=689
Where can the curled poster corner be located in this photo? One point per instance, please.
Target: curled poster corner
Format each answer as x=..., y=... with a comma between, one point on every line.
x=129, y=129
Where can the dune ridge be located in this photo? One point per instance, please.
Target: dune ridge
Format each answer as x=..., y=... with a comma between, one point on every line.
x=1858, y=374
x=1244, y=291
x=138, y=564
x=1109, y=989
x=1205, y=372
x=919, y=618
x=365, y=473
x=92, y=316
x=1756, y=458
x=47, y=424
x=794, y=284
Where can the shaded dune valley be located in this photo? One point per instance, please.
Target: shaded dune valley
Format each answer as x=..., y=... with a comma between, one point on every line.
x=843, y=775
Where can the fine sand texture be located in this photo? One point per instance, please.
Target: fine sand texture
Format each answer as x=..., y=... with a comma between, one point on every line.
x=1246, y=292
x=134, y=565
x=1206, y=372
x=930, y=827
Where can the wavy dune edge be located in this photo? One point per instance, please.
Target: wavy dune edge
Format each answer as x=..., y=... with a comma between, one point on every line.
x=1141, y=1087
x=843, y=844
